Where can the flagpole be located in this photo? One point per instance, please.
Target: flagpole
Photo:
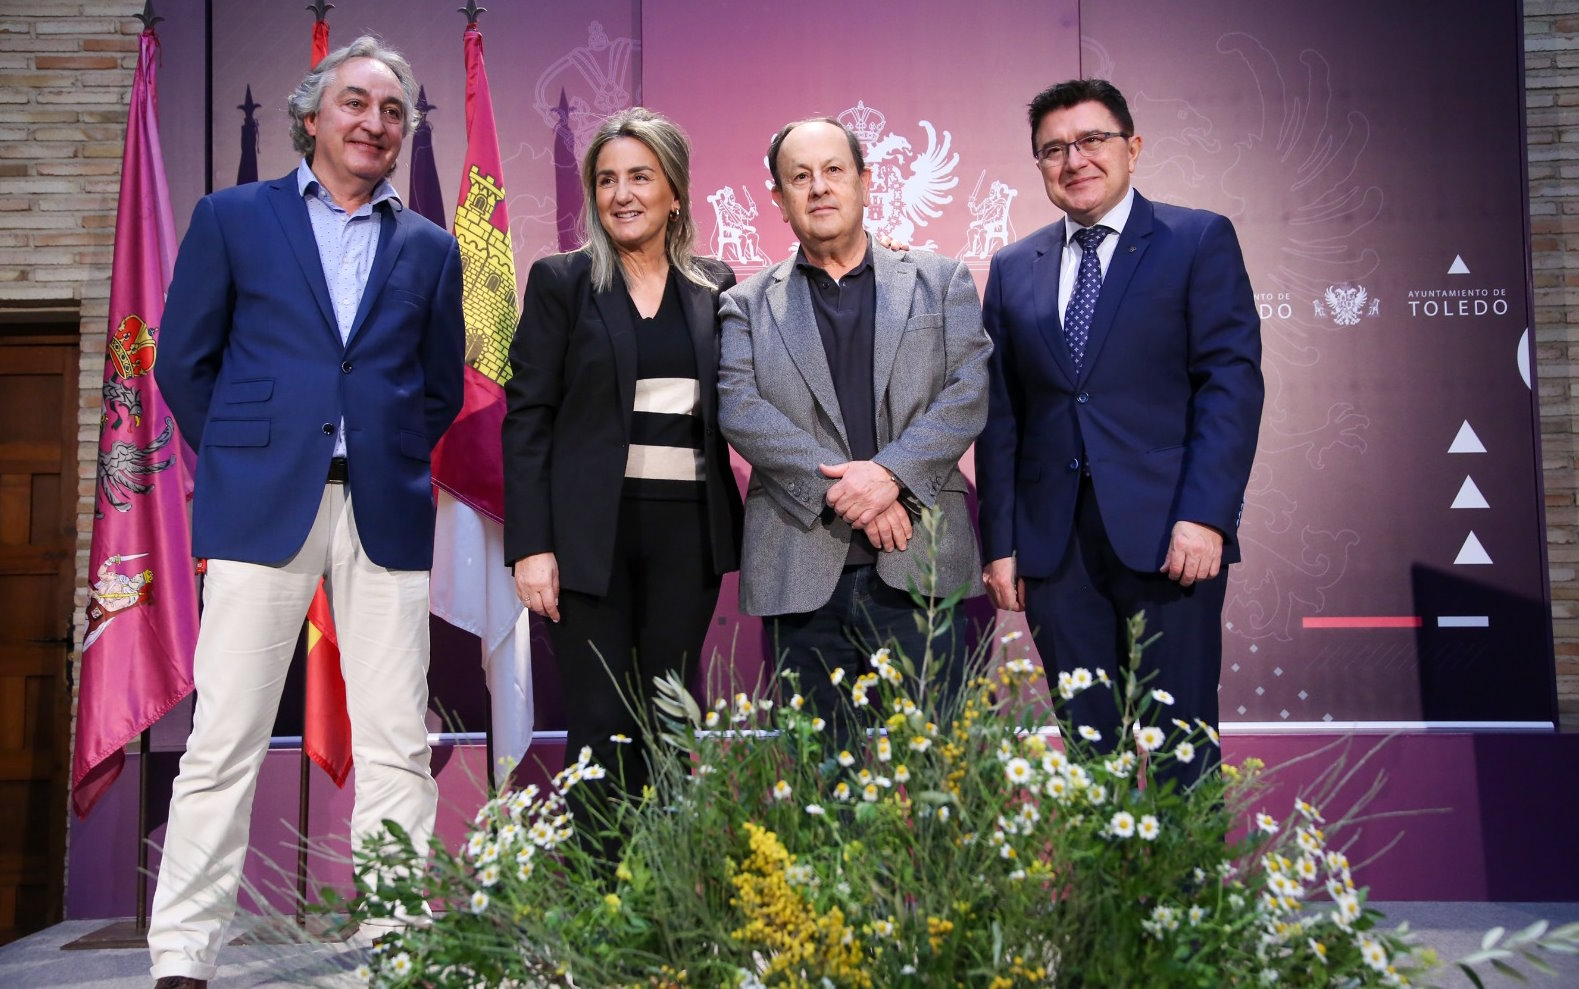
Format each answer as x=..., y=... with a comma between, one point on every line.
x=320, y=46
x=143, y=748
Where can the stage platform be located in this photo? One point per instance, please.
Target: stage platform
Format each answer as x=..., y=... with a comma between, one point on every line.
x=37, y=962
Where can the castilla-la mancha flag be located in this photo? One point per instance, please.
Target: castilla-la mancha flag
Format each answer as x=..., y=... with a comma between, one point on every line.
x=142, y=606
x=472, y=589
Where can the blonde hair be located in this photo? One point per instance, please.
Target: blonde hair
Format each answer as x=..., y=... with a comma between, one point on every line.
x=669, y=145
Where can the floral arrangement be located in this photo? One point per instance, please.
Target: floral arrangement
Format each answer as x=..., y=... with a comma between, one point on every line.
x=953, y=844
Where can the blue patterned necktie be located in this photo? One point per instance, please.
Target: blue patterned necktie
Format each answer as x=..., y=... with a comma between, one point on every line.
x=1083, y=301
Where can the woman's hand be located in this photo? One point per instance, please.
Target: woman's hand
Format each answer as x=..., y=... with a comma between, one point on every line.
x=537, y=584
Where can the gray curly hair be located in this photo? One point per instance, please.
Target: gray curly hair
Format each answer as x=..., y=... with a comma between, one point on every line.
x=307, y=96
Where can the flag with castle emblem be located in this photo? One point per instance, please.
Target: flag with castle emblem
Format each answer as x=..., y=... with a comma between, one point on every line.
x=142, y=605
x=472, y=588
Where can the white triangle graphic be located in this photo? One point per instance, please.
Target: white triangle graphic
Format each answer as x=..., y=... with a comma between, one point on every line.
x=1466, y=441
x=1469, y=496
x=1471, y=552
x=1458, y=267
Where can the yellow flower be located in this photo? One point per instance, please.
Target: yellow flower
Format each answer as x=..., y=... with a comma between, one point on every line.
x=612, y=901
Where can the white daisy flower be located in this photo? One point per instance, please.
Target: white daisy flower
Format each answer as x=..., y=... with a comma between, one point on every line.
x=781, y=790
x=401, y=963
x=901, y=774
x=869, y=793
x=620, y=738
x=1266, y=823
x=1161, y=696
x=479, y=901
x=817, y=724
x=1017, y=771
x=1184, y=752
x=1149, y=738
x=1374, y=954
x=837, y=676
x=885, y=750
x=1090, y=734
x=846, y=759
x=920, y=743
x=1148, y=828
x=815, y=810
x=1122, y=824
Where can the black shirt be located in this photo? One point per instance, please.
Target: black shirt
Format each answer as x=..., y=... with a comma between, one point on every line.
x=846, y=312
x=665, y=455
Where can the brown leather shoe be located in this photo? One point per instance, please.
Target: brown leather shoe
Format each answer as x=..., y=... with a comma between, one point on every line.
x=180, y=982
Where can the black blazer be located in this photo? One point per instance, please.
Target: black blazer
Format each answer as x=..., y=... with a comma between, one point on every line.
x=569, y=402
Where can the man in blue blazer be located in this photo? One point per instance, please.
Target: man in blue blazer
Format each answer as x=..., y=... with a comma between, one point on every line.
x=1125, y=401
x=312, y=353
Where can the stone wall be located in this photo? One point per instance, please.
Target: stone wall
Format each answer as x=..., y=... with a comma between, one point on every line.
x=1551, y=65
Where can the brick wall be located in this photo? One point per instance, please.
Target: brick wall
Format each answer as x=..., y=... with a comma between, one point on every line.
x=65, y=79
x=65, y=83
x=1551, y=61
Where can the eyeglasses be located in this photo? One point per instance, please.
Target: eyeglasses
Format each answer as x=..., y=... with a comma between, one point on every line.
x=1053, y=154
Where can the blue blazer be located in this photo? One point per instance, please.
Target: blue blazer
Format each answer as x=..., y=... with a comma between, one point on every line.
x=251, y=363
x=1164, y=414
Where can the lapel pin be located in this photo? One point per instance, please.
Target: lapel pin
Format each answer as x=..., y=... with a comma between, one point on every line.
x=1132, y=248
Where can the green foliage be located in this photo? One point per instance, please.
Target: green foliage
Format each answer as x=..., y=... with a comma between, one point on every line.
x=957, y=844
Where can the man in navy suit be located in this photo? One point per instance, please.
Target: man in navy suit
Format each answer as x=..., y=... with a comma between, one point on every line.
x=312, y=353
x=1126, y=397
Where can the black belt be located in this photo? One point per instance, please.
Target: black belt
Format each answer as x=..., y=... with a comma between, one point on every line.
x=338, y=473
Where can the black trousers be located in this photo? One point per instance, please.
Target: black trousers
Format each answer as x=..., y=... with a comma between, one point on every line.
x=651, y=622
x=1078, y=618
x=863, y=614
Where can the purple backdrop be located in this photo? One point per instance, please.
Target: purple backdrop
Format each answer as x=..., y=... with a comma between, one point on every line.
x=1370, y=155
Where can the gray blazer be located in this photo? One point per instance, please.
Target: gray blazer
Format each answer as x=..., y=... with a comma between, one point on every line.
x=777, y=407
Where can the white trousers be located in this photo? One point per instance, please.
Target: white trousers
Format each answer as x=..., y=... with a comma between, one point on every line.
x=252, y=616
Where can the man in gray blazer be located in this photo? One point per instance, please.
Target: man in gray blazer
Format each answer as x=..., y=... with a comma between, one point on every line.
x=852, y=380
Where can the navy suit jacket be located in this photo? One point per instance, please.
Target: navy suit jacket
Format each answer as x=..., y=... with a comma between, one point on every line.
x=1164, y=413
x=252, y=365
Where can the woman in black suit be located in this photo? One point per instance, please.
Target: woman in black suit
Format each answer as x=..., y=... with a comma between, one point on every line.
x=621, y=512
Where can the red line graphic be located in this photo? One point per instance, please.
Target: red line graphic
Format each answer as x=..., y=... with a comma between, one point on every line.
x=1363, y=621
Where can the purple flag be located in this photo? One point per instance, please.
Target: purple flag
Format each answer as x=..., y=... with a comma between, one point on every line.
x=142, y=607
x=426, y=196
